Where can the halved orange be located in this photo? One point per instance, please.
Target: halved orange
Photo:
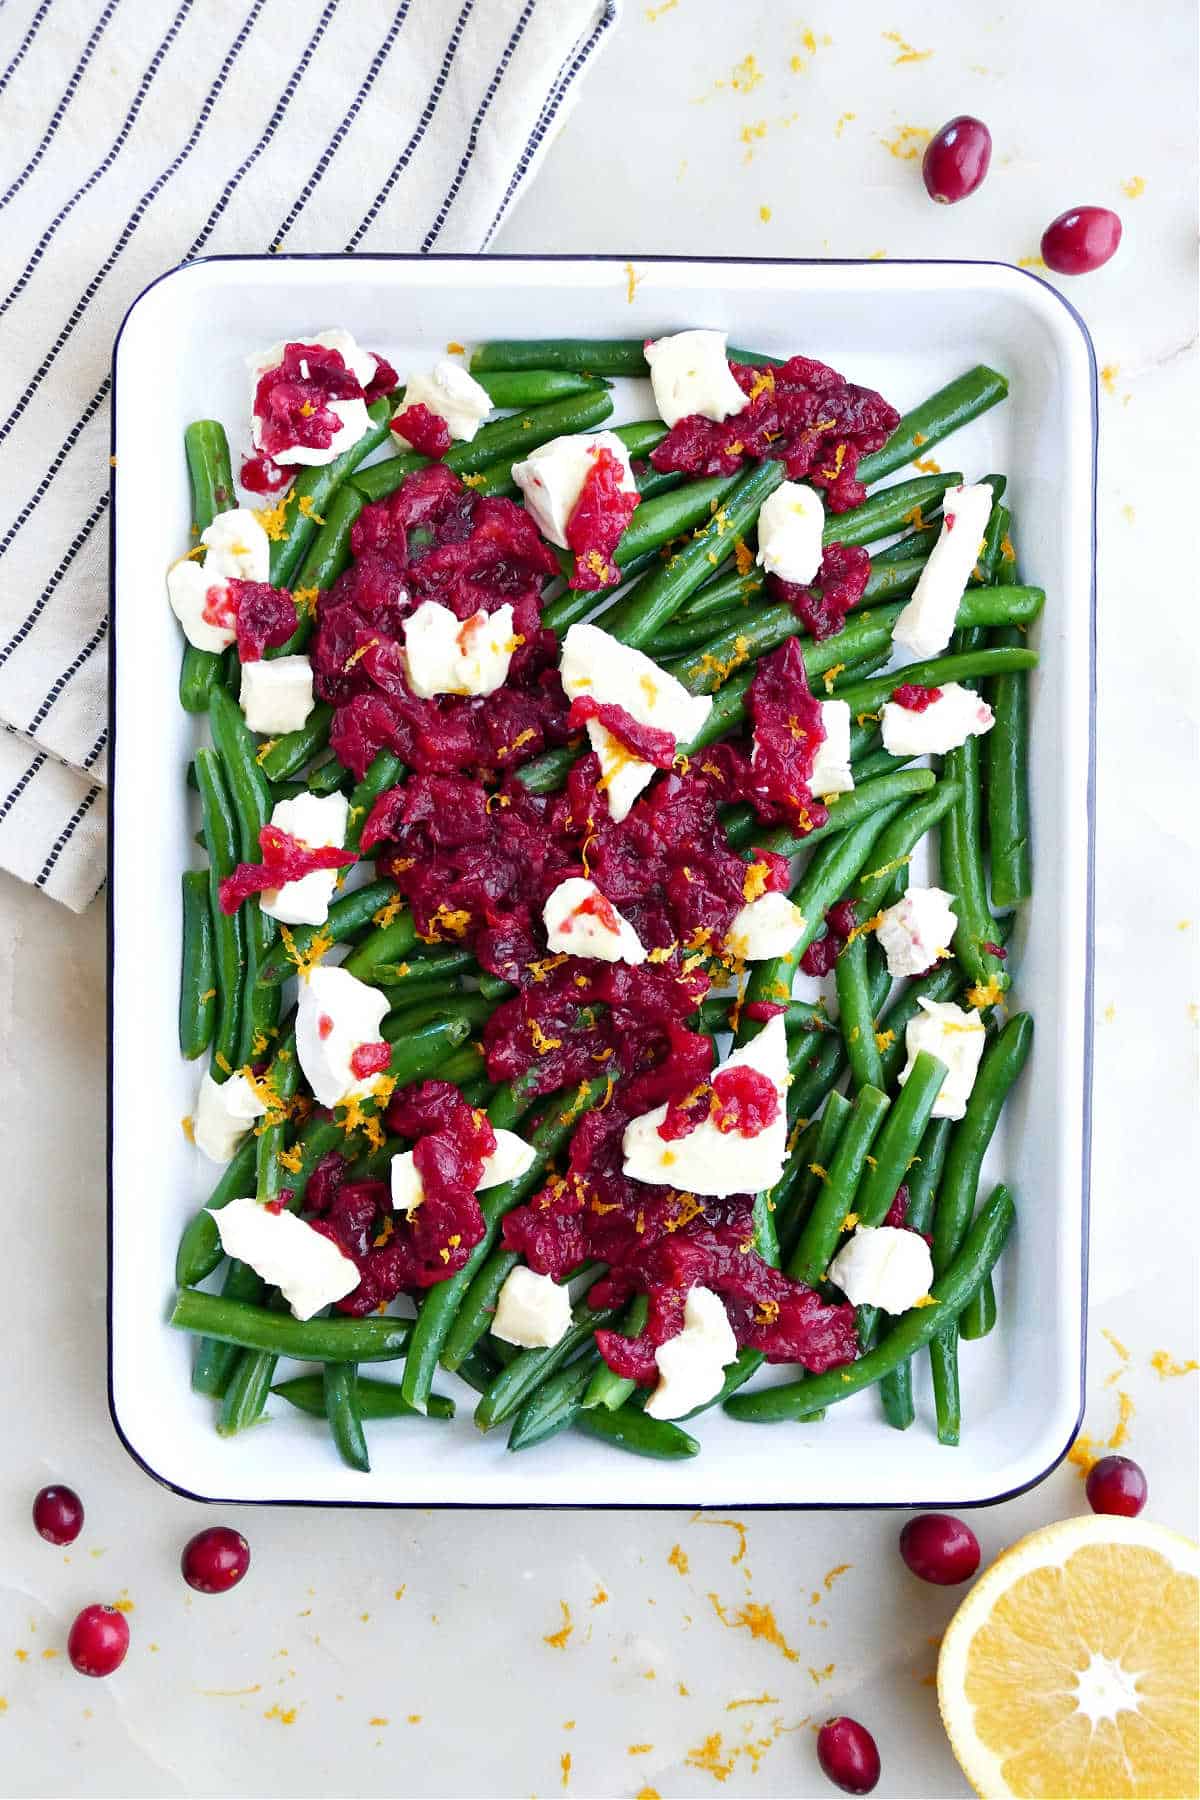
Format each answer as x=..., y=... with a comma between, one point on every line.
x=1070, y=1671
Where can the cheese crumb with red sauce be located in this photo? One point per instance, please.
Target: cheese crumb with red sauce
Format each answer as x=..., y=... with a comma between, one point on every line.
x=580, y=921
x=336, y=1014
x=308, y=397
x=710, y=1160
x=448, y=393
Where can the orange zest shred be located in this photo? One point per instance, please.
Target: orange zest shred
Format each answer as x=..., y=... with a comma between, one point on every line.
x=274, y=519
x=307, y=959
x=558, y=1640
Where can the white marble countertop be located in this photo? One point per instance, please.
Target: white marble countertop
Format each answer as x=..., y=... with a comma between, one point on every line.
x=405, y=1653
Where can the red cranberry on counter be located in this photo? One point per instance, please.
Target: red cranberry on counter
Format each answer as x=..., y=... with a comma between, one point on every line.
x=1116, y=1484
x=957, y=159
x=940, y=1548
x=58, y=1514
x=98, y=1641
x=848, y=1755
x=1081, y=240
x=215, y=1560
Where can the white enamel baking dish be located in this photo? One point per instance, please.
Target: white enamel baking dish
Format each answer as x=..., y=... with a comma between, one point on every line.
x=905, y=328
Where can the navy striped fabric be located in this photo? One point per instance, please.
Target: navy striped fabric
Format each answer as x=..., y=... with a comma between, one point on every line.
x=140, y=133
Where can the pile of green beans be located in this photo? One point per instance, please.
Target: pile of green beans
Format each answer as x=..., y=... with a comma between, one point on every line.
x=850, y=1152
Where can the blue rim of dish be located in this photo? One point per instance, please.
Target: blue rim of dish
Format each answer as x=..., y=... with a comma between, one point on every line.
x=806, y=262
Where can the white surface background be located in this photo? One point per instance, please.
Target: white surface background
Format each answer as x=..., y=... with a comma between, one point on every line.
x=280, y=1688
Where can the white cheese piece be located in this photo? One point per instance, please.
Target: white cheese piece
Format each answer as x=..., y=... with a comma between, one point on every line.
x=916, y=931
x=709, y=1161
x=277, y=694
x=957, y=714
x=335, y=1015
x=532, y=1310
x=454, y=395
x=956, y=1038
x=790, y=526
x=446, y=655
x=317, y=820
x=352, y=413
x=831, y=772
x=690, y=373
x=765, y=927
x=927, y=622
x=203, y=604
x=511, y=1157
x=236, y=544
x=581, y=922
x=884, y=1266
x=552, y=476
x=691, y=1365
x=307, y=1267
x=597, y=665
x=225, y=1111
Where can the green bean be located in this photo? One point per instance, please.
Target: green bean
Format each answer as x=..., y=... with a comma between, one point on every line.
x=912, y=546
x=478, y=1308
x=1002, y=1062
x=197, y=975
x=532, y=387
x=1007, y=755
x=199, y=1251
x=829, y=874
x=895, y=844
x=441, y=1303
x=856, y=1019
x=312, y=492
x=896, y=1388
x=329, y=556
x=813, y=1076
x=413, y=974
x=348, y=915
x=900, y=1139
x=385, y=772
x=295, y=749
x=960, y=850
x=868, y=696
x=823, y=1227
x=220, y=838
x=329, y=776
x=786, y=1195
x=381, y=946
x=207, y=451
x=307, y=1340
x=215, y=1361
x=606, y=1388
x=425, y=1048
x=513, y=437
x=376, y=1399
x=951, y=1292
x=472, y=1009
x=948, y=410
x=244, y=1399
x=636, y=620
x=554, y=1406
x=591, y=356
x=845, y=810
x=979, y=1316
x=515, y=1384
x=827, y=1134
x=629, y=1429
x=340, y=1381
x=251, y=798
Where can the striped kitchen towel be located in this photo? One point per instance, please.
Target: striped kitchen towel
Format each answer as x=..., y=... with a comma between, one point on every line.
x=141, y=133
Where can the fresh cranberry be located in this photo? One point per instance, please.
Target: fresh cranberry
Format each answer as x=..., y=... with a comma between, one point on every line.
x=848, y=1754
x=215, y=1560
x=940, y=1548
x=1116, y=1484
x=957, y=159
x=98, y=1641
x=1081, y=240
x=58, y=1514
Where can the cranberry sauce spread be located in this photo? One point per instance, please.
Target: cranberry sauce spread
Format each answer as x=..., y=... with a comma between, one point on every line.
x=803, y=414
x=264, y=617
x=841, y=583
x=423, y=430
x=597, y=519
x=914, y=698
x=476, y=856
x=435, y=539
